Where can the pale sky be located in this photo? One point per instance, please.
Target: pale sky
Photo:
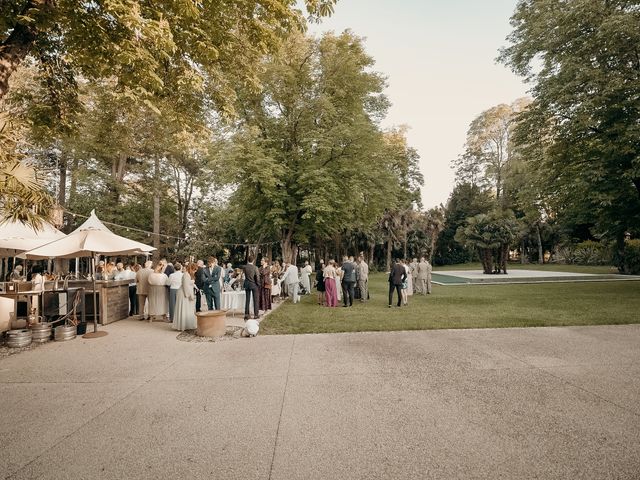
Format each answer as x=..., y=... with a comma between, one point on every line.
x=439, y=57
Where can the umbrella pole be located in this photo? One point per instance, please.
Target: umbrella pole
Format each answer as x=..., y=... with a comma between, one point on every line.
x=96, y=308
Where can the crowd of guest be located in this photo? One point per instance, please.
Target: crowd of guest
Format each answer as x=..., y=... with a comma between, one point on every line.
x=175, y=292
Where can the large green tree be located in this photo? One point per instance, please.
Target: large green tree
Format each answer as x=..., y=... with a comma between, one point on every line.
x=582, y=131
x=310, y=159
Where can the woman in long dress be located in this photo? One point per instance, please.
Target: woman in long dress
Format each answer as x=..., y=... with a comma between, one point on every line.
x=184, y=314
x=330, y=284
x=306, y=271
x=339, y=275
x=158, y=297
x=405, y=284
x=407, y=267
x=265, y=287
x=320, y=284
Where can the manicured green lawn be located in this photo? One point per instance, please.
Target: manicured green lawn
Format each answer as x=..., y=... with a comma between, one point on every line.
x=468, y=306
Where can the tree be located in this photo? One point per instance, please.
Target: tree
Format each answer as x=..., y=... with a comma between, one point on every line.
x=491, y=235
x=584, y=123
x=466, y=200
x=489, y=147
x=133, y=41
x=309, y=159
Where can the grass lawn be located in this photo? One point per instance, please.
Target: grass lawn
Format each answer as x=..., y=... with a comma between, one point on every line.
x=468, y=306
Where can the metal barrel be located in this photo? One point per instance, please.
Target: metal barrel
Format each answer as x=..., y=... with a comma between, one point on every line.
x=18, y=338
x=64, y=332
x=41, y=332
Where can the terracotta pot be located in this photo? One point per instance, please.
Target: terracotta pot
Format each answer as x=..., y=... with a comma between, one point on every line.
x=212, y=323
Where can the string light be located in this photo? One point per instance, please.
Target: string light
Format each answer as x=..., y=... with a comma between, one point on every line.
x=151, y=234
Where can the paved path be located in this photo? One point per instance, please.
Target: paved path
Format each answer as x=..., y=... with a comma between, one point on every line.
x=548, y=403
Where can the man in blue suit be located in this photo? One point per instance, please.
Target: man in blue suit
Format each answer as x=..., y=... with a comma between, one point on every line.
x=211, y=283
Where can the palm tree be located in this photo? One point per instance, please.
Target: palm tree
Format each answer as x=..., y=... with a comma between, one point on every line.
x=22, y=197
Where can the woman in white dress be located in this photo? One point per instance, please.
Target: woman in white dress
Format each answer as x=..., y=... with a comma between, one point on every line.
x=339, y=275
x=306, y=271
x=184, y=315
x=407, y=267
x=158, y=298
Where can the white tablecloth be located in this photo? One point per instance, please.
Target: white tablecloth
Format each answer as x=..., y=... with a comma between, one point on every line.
x=234, y=301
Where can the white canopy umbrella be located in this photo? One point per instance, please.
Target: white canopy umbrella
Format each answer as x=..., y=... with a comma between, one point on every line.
x=17, y=237
x=88, y=240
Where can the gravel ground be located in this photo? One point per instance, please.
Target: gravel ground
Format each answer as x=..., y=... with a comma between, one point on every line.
x=232, y=333
x=8, y=351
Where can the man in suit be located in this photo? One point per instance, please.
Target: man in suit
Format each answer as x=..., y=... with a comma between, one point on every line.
x=251, y=286
x=348, y=281
x=199, y=281
x=142, y=282
x=362, y=275
x=414, y=274
x=424, y=276
x=211, y=280
x=397, y=276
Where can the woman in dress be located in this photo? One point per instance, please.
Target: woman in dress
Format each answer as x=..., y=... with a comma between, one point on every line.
x=158, y=297
x=265, y=287
x=275, y=284
x=306, y=271
x=184, y=315
x=320, y=283
x=405, y=284
x=174, y=282
x=407, y=267
x=330, y=284
x=339, y=275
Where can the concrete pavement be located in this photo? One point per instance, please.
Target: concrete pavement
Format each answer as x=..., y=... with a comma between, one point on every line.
x=507, y=403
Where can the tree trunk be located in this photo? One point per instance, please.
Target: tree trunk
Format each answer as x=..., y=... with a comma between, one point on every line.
x=539, y=240
x=404, y=248
x=156, y=210
x=289, y=249
x=389, y=250
x=62, y=184
x=486, y=256
x=522, y=252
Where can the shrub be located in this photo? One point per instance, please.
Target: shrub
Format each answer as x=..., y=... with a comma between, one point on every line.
x=631, y=260
x=585, y=253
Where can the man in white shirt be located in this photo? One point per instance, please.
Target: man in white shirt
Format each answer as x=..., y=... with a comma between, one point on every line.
x=291, y=280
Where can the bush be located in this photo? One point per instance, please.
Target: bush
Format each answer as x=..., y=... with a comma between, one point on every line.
x=585, y=253
x=631, y=260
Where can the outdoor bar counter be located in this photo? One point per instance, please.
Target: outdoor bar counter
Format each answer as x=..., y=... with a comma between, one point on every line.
x=112, y=297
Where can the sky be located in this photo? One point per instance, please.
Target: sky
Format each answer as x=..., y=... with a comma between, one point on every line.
x=439, y=57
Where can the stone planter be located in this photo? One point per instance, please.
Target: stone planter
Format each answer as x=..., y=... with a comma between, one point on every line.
x=212, y=323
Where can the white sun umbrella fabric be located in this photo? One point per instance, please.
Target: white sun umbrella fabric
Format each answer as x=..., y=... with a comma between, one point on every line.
x=92, y=237
x=16, y=237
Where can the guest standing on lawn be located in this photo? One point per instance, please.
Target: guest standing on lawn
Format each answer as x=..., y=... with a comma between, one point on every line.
x=329, y=276
x=320, y=284
x=292, y=281
x=396, y=277
x=265, y=285
x=348, y=281
x=305, y=273
x=184, y=315
x=362, y=274
x=251, y=284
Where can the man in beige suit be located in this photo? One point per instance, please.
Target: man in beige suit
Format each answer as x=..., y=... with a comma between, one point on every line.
x=142, y=281
x=362, y=275
x=424, y=276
